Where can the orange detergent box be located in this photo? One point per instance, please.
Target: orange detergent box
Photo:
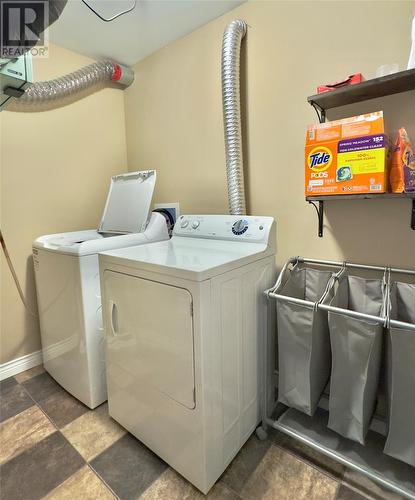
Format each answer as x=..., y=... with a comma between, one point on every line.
x=348, y=156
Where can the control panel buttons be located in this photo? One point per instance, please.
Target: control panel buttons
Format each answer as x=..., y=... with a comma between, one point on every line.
x=240, y=227
x=237, y=227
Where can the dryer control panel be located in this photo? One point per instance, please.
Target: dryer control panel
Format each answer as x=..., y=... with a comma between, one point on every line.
x=247, y=228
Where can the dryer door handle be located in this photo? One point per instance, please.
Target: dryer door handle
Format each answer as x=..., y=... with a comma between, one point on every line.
x=114, y=318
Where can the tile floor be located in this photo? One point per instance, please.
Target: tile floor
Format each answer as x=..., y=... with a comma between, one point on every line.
x=52, y=446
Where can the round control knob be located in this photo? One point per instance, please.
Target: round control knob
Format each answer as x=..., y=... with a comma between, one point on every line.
x=240, y=226
x=195, y=224
x=184, y=224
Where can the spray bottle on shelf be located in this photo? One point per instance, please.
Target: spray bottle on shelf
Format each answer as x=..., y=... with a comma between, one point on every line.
x=411, y=62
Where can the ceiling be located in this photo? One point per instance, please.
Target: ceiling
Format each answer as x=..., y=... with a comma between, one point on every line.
x=151, y=25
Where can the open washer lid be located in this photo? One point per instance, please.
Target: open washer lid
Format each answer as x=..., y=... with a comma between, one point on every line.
x=128, y=203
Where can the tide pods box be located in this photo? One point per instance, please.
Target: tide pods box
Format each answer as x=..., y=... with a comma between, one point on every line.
x=348, y=156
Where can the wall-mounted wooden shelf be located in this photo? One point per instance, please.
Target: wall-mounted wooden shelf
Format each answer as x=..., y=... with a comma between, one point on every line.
x=348, y=197
x=370, y=89
x=368, y=196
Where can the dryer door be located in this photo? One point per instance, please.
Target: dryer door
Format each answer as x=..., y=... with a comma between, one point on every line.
x=149, y=329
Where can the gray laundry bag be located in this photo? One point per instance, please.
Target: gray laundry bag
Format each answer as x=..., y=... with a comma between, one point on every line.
x=356, y=346
x=304, y=356
x=401, y=376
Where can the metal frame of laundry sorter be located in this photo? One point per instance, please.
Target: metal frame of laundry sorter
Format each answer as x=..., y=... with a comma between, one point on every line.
x=279, y=410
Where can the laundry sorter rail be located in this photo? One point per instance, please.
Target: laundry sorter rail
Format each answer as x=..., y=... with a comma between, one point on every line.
x=354, y=335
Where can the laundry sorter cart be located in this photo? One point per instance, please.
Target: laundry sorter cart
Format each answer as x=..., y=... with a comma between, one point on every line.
x=344, y=342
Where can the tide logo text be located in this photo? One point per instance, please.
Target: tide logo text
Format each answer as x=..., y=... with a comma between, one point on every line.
x=319, y=159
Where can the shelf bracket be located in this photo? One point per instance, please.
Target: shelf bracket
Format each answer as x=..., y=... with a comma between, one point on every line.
x=320, y=215
x=413, y=215
x=321, y=113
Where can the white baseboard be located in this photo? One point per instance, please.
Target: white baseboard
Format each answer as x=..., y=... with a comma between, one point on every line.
x=20, y=365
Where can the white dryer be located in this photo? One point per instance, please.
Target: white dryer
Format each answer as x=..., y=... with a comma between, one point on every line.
x=68, y=289
x=184, y=323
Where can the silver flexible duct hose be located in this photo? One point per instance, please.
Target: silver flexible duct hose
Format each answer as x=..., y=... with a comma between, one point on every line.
x=74, y=83
x=231, y=48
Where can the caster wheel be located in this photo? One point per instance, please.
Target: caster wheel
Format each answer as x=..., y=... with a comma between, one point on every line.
x=261, y=433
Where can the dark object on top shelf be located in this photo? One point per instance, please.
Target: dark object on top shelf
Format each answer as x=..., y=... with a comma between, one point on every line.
x=350, y=80
x=370, y=89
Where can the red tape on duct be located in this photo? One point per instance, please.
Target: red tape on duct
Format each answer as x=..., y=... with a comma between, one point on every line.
x=117, y=73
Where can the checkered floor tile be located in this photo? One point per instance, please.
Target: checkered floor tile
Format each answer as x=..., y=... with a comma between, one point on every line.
x=54, y=447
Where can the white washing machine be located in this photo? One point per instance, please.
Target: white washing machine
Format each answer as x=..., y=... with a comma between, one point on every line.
x=184, y=321
x=68, y=289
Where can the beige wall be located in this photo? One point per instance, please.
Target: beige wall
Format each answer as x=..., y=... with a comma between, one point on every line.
x=55, y=170
x=55, y=165
x=174, y=120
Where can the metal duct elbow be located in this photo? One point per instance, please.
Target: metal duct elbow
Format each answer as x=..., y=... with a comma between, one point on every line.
x=231, y=48
x=53, y=91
